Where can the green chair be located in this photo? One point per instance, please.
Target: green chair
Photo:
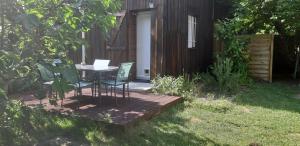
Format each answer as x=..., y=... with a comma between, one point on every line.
x=121, y=79
x=71, y=75
x=46, y=76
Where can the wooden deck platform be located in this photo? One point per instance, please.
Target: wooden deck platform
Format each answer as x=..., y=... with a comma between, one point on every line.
x=140, y=106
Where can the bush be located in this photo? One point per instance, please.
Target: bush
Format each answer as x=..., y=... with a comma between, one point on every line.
x=180, y=86
x=3, y=101
x=14, y=124
x=222, y=77
x=234, y=48
x=231, y=67
x=168, y=85
x=227, y=80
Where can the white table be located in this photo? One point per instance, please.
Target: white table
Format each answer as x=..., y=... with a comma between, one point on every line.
x=83, y=67
x=98, y=70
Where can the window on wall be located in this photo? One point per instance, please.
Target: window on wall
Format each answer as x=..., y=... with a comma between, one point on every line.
x=192, y=31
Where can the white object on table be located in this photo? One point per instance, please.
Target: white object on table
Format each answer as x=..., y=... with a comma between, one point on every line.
x=99, y=63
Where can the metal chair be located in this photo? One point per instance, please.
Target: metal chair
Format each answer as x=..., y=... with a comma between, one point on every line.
x=122, y=78
x=71, y=75
x=46, y=76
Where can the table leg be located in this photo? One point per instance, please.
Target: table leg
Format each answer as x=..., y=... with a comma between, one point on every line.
x=99, y=86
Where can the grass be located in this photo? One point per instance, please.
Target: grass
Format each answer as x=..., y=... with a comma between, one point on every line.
x=265, y=114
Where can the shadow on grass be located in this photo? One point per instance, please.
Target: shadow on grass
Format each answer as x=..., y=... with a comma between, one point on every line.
x=166, y=129
x=276, y=96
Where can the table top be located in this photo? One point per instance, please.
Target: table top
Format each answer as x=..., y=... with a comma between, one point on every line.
x=98, y=69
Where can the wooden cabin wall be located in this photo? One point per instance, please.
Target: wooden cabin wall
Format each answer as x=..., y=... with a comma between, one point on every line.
x=124, y=47
x=175, y=35
x=169, y=52
x=135, y=6
x=118, y=51
x=96, y=44
x=75, y=56
x=95, y=47
x=200, y=57
x=178, y=58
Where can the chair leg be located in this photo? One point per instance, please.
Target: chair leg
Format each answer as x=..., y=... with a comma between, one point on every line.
x=115, y=95
x=123, y=90
x=128, y=91
x=99, y=92
x=92, y=88
x=80, y=91
x=106, y=90
x=111, y=88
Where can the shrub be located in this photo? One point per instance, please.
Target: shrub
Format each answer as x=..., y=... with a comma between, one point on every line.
x=14, y=124
x=231, y=67
x=227, y=80
x=222, y=77
x=234, y=48
x=180, y=86
x=3, y=101
x=168, y=85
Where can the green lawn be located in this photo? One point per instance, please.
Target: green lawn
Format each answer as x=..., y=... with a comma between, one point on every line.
x=267, y=114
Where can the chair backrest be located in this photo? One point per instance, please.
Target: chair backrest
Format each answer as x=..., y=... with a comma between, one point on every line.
x=70, y=74
x=124, y=71
x=99, y=63
x=45, y=74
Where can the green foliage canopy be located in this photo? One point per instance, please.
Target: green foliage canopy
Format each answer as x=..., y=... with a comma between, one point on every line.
x=32, y=30
x=268, y=16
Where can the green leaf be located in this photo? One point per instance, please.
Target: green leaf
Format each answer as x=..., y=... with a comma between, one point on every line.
x=29, y=21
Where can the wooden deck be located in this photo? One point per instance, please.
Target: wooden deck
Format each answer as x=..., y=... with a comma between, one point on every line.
x=140, y=106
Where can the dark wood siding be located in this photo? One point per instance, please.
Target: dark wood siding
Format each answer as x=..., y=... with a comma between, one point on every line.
x=178, y=58
x=169, y=36
x=201, y=57
x=175, y=35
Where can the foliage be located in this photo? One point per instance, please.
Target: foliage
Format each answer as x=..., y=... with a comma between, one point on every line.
x=222, y=78
x=60, y=86
x=234, y=47
x=268, y=16
x=12, y=124
x=231, y=67
x=168, y=85
x=32, y=30
x=227, y=80
x=3, y=100
x=179, y=86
